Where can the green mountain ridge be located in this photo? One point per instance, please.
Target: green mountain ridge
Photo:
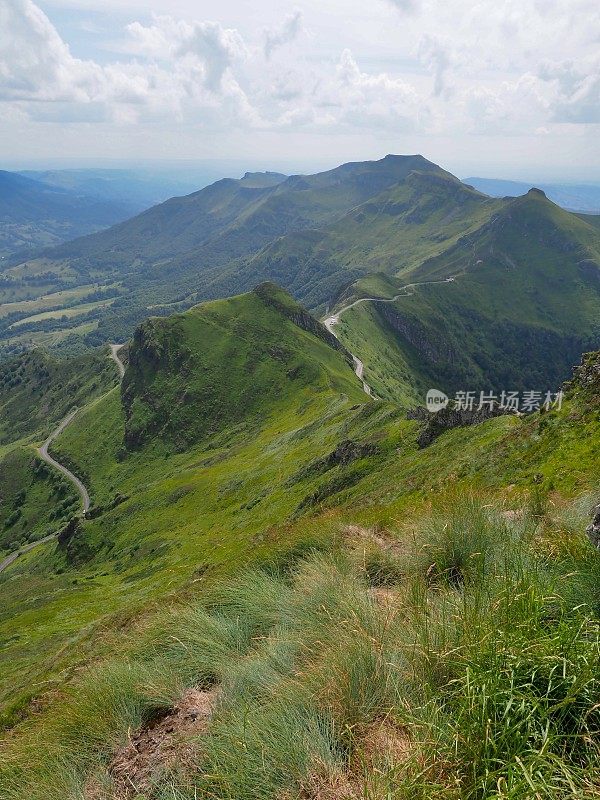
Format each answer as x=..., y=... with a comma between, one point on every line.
x=198, y=247
x=239, y=359
x=362, y=229
x=522, y=303
x=265, y=532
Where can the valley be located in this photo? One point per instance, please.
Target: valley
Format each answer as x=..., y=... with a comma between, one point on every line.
x=521, y=270
x=240, y=559
x=299, y=426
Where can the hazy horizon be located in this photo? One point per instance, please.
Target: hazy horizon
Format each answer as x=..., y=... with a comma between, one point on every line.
x=235, y=168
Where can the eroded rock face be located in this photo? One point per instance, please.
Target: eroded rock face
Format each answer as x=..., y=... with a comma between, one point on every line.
x=587, y=374
x=448, y=418
x=593, y=530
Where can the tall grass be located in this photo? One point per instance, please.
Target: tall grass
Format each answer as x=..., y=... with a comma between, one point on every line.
x=481, y=680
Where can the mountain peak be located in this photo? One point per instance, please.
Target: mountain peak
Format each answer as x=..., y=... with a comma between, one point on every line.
x=535, y=192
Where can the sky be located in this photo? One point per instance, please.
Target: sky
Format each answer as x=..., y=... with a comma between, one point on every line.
x=500, y=88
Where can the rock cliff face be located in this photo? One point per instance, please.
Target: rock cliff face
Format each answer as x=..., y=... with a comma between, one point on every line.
x=155, y=348
x=584, y=387
x=586, y=379
x=433, y=349
x=593, y=531
x=448, y=418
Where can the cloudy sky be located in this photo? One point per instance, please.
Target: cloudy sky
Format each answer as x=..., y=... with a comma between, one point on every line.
x=505, y=88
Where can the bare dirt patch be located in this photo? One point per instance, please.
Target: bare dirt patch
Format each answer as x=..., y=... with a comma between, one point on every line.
x=359, y=536
x=166, y=742
x=384, y=744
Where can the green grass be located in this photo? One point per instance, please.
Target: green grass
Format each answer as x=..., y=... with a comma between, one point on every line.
x=393, y=370
x=485, y=689
x=220, y=552
x=60, y=313
x=169, y=518
x=227, y=492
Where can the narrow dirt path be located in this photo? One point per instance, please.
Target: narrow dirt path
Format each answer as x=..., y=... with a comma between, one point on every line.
x=114, y=349
x=330, y=322
x=45, y=455
x=25, y=549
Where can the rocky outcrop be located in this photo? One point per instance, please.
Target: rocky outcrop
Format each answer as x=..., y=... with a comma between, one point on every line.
x=348, y=451
x=584, y=386
x=344, y=454
x=593, y=530
x=434, y=350
x=587, y=374
x=448, y=418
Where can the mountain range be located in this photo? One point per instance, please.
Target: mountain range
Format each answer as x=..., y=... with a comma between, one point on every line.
x=583, y=198
x=503, y=282
x=35, y=214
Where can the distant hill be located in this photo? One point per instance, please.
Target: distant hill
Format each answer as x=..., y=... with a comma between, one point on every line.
x=584, y=198
x=522, y=303
x=361, y=229
x=232, y=218
x=134, y=189
x=34, y=214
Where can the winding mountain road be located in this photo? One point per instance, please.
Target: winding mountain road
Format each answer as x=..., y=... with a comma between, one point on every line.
x=45, y=455
x=114, y=349
x=329, y=322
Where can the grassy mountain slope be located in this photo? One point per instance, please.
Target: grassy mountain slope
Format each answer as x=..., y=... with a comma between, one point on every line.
x=196, y=247
x=36, y=392
x=524, y=304
x=425, y=621
x=238, y=358
x=252, y=427
x=34, y=214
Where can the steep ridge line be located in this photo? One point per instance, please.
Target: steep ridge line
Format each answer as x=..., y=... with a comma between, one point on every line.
x=43, y=453
x=329, y=322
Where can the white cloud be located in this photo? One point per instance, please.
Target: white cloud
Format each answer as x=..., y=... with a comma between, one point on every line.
x=360, y=97
x=205, y=44
x=576, y=88
x=458, y=69
x=438, y=57
x=284, y=34
x=408, y=6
